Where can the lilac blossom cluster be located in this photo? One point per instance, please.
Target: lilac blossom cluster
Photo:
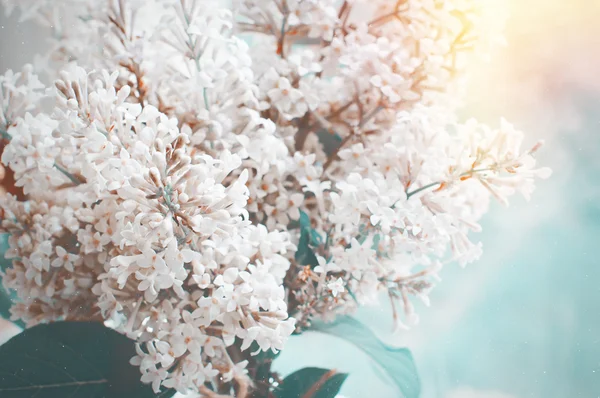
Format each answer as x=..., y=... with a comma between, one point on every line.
x=208, y=179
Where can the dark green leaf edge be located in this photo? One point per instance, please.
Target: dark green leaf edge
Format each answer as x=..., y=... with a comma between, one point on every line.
x=300, y=383
x=404, y=373
x=6, y=298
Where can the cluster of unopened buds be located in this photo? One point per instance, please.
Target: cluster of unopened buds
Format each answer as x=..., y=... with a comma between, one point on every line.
x=209, y=180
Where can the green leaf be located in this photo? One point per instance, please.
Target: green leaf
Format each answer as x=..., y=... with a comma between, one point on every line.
x=5, y=303
x=315, y=238
x=4, y=262
x=330, y=141
x=311, y=383
x=304, y=220
x=397, y=362
x=71, y=359
x=376, y=240
x=305, y=255
x=6, y=297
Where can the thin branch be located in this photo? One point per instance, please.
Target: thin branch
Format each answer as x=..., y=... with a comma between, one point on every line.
x=424, y=187
x=462, y=176
x=281, y=42
x=384, y=18
x=370, y=116
x=343, y=9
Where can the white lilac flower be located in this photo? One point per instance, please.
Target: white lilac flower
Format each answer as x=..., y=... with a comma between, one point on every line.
x=336, y=287
x=209, y=197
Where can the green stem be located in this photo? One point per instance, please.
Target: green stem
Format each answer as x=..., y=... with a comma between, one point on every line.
x=472, y=171
x=424, y=187
x=205, y=95
x=5, y=135
x=196, y=58
x=282, y=34
x=70, y=176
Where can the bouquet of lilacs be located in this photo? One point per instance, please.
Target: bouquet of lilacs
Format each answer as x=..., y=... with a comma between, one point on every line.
x=208, y=179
